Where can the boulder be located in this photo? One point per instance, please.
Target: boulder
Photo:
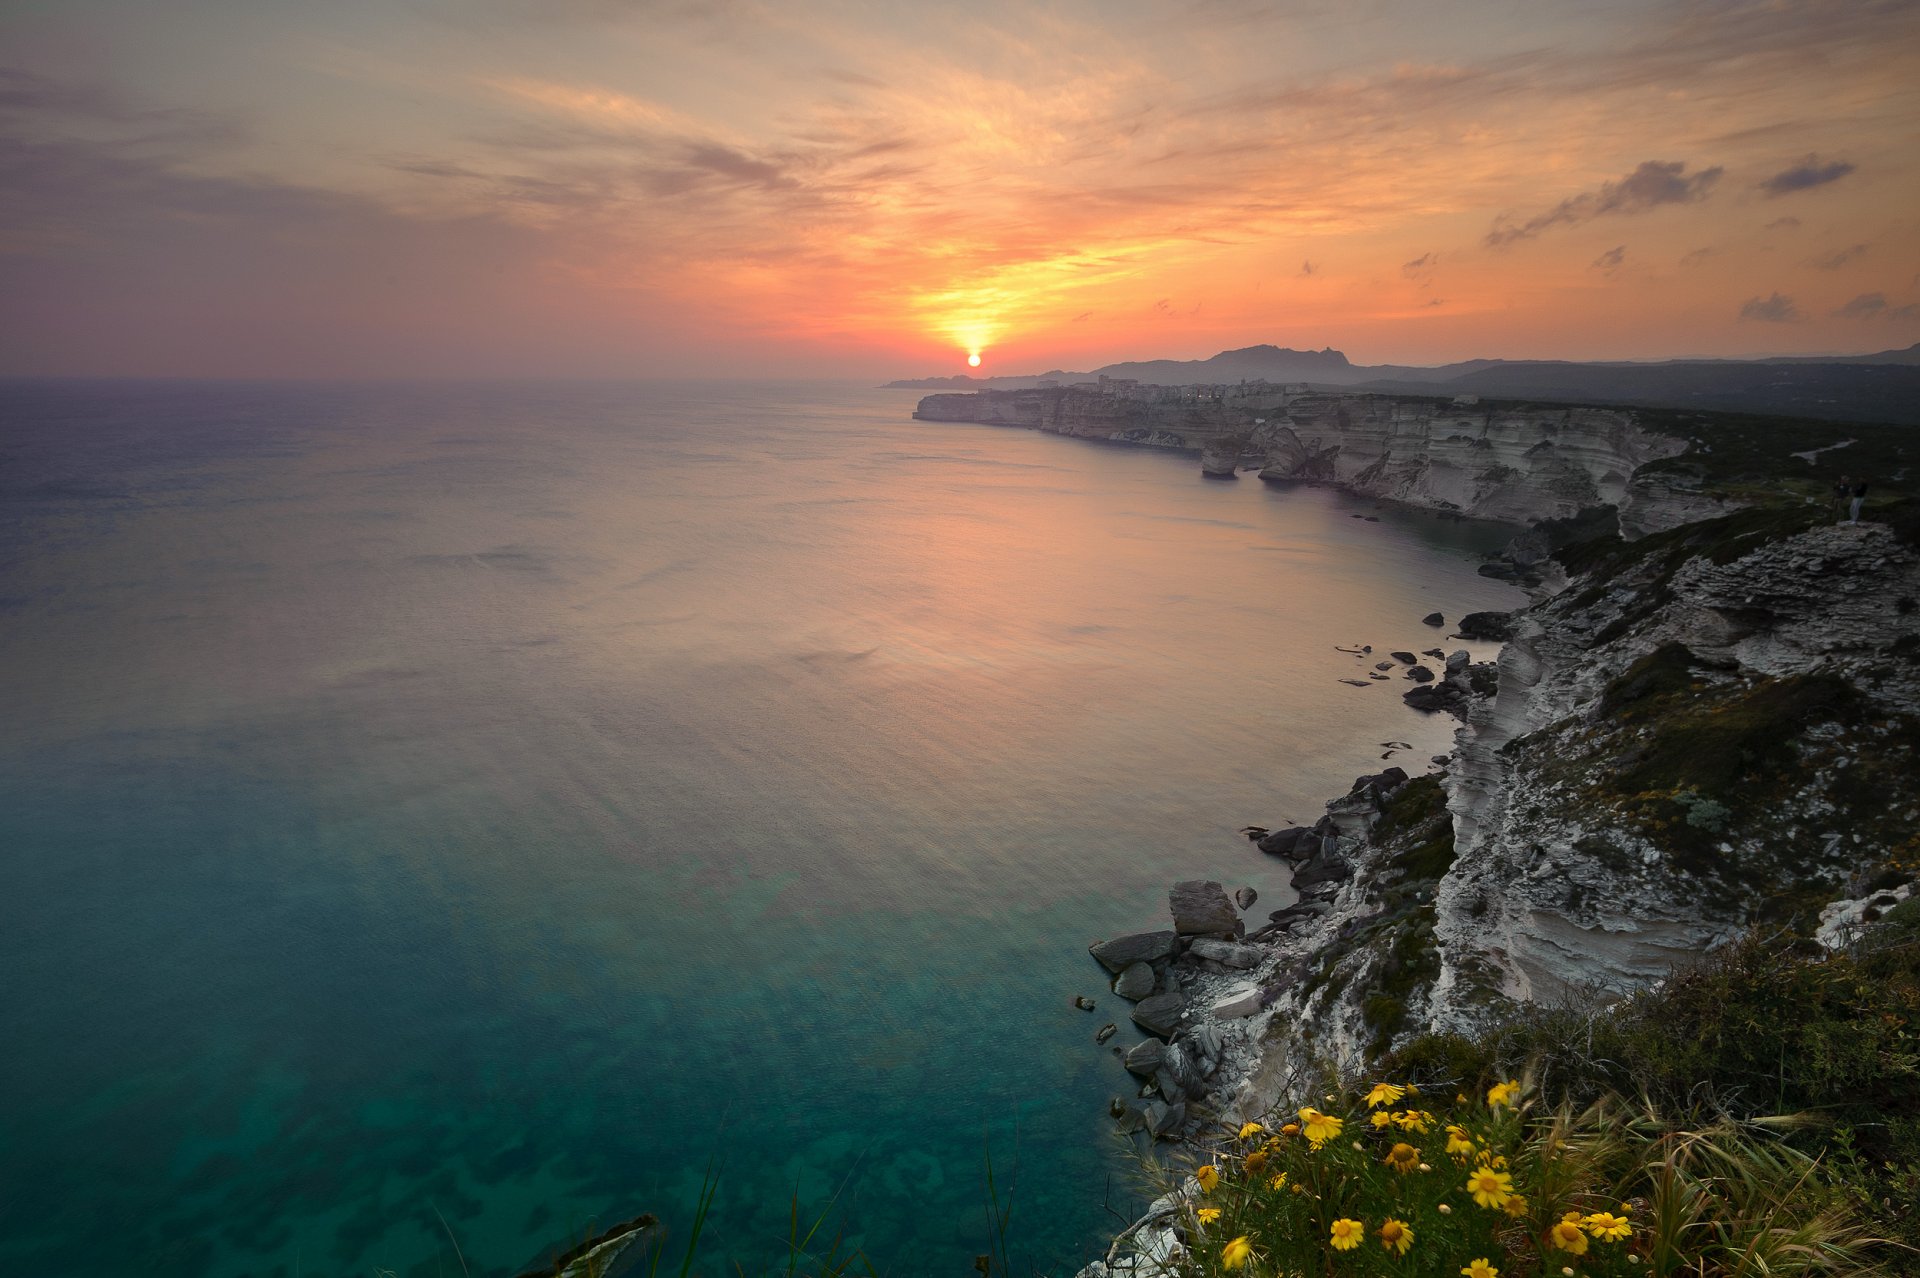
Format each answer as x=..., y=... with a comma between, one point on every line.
x=1155, y=1116
x=1160, y=1013
x=1496, y=627
x=1325, y=867
x=1428, y=698
x=1237, y=1006
x=1140, y=947
x=1082, y=1002
x=1201, y=908
x=1458, y=660
x=1420, y=674
x=1135, y=981
x=1170, y=1119
x=1206, y=1046
x=1105, y=1032
x=1433, y=619
x=1145, y=1057
x=1287, y=842
x=1226, y=953
x=1404, y=658
x=1245, y=897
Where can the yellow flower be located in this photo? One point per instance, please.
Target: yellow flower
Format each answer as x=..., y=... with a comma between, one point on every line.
x=1516, y=1206
x=1249, y=1130
x=1480, y=1268
x=1208, y=1176
x=1384, y=1094
x=1490, y=1188
x=1255, y=1161
x=1459, y=1144
x=1346, y=1234
x=1402, y=1157
x=1278, y=1182
x=1488, y=1158
x=1608, y=1227
x=1235, y=1253
x=1396, y=1235
x=1291, y=1129
x=1503, y=1093
x=1568, y=1236
x=1208, y=1215
x=1413, y=1120
x=1320, y=1128
x=1381, y=1119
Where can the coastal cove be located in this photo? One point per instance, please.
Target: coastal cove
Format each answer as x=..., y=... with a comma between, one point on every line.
x=496, y=802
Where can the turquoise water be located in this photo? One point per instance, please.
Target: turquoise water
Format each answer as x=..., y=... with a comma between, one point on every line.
x=491, y=803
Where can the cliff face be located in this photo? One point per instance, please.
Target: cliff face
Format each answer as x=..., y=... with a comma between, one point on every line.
x=1715, y=727
x=1519, y=465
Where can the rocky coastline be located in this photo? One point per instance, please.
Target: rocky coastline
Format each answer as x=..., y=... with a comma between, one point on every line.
x=1689, y=649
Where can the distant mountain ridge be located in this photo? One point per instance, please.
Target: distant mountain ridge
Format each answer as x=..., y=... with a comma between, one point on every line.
x=1879, y=387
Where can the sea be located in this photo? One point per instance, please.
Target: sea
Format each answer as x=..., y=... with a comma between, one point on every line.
x=438, y=821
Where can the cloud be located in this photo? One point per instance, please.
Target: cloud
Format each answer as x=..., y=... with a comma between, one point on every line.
x=1306, y=268
x=1901, y=314
x=1697, y=256
x=1865, y=306
x=1609, y=261
x=1782, y=224
x=1839, y=258
x=1654, y=183
x=1420, y=265
x=1776, y=309
x=1805, y=175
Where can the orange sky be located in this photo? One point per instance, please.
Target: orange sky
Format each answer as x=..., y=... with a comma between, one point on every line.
x=608, y=188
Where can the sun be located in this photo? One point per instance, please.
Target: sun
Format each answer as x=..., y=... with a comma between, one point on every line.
x=973, y=360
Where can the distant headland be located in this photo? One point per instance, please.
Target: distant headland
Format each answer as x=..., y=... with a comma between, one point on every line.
x=1879, y=387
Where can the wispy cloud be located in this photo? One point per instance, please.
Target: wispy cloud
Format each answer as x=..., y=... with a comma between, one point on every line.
x=1805, y=175
x=1838, y=258
x=1653, y=184
x=1609, y=262
x=1774, y=309
x=1865, y=306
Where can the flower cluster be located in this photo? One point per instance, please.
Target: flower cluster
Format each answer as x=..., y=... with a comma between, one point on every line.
x=1510, y=1193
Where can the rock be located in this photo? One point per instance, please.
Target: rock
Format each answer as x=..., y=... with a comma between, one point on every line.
x=1160, y=1013
x=1434, y=619
x=1383, y=665
x=1245, y=897
x=1135, y=982
x=1172, y=1118
x=1420, y=674
x=1207, y=1046
x=1286, y=842
x=1140, y=947
x=1404, y=658
x=1145, y=1057
x=1236, y=1007
x=1435, y=653
x=1105, y=1032
x=1201, y=908
x=1440, y=760
x=1226, y=953
x=1458, y=660
x=1082, y=1002
x=1427, y=698
x=1496, y=627
x=1133, y=1119
x=1116, y=1107
x=1323, y=867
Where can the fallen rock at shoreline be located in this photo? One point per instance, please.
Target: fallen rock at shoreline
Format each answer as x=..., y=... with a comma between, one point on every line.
x=1082, y=1002
x=1237, y=1007
x=1433, y=619
x=1201, y=908
x=1160, y=1013
x=1245, y=897
x=1226, y=953
x=1135, y=982
x=1420, y=674
x=1496, y=627
x=1404, y=658
x=1145, y=1058
x=1105, y=1032
x=1288, y=842
x=1139, y=947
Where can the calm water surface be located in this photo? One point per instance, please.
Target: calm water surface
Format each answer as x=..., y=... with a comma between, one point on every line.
x=493, y=803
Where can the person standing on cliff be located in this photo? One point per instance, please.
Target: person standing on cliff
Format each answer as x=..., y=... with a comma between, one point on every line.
x=1842, y=492
x=1859, y=497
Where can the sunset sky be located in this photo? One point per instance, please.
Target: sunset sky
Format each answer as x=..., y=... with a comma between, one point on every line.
x=617, y=187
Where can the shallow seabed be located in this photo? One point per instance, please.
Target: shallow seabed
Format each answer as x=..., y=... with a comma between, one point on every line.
x=498, y=803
